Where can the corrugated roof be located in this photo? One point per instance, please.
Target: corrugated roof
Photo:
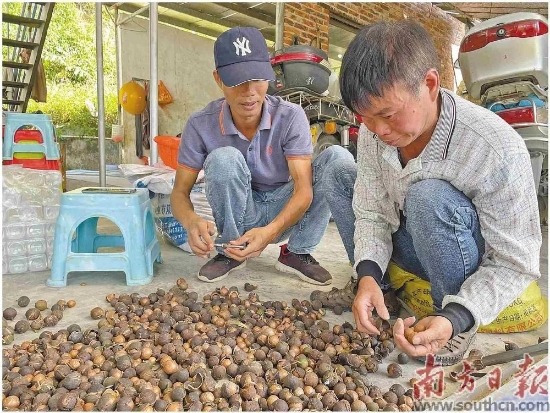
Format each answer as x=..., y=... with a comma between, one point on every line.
x=211, y=19
x=472, y=12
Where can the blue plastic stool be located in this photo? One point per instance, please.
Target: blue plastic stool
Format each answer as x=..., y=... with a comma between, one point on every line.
x=130, y=209
x=42, y=122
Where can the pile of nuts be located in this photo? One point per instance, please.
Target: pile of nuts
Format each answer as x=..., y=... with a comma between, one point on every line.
x=35, y=318
x=171, y=351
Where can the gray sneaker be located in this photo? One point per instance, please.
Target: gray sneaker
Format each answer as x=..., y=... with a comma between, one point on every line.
x=342, y=297
x=302, y=265
x=454, y=350
x=218, y=268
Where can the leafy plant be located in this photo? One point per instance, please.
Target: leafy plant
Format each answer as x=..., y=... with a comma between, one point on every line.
x=70, y=110
x=69, y=59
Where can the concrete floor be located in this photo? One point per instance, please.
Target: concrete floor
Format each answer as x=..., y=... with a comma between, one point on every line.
x=89, y=290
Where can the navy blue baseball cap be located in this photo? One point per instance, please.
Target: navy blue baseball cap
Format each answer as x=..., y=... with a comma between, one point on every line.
x=241, y=55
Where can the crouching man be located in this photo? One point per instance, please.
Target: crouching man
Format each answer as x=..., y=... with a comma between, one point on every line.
x=442, y=187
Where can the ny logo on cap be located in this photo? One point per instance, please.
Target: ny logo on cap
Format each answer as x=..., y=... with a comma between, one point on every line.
x=242, y=46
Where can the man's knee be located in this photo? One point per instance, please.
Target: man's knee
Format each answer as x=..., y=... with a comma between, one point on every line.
x=333, y=153
x=224, y=163
x=339, y=165
x=427, y=195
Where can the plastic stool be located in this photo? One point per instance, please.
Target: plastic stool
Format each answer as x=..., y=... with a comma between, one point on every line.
x=42, y=122
x=130, y=209
x=28, y=135
x=42, y=164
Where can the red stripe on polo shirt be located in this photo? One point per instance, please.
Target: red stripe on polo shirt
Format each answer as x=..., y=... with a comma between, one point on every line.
x=298, y=157
x=180, y=165
x=220, y=119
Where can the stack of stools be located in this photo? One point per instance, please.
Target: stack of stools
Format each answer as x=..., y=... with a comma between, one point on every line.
x=29, y=139
x=77, y=241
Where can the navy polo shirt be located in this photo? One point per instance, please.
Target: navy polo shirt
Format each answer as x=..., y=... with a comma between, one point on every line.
x=283, y=134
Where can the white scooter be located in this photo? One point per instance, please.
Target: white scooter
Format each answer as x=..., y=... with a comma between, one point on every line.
x=504, y=63
x=304, y=76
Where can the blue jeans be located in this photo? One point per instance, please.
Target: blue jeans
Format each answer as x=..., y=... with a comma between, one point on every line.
x=237, y=208
x=439, y=238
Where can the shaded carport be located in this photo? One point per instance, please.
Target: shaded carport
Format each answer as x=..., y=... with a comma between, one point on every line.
x=211, y=19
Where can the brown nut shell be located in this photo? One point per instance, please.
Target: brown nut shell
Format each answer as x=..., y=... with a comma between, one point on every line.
x=409, y=334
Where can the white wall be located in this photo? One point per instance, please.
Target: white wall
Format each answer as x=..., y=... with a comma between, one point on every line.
x=185, y=65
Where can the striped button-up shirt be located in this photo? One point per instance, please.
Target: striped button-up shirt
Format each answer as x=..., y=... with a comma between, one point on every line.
x=484, y=158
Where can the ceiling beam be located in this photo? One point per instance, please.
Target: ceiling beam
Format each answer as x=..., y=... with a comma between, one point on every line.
x=268, y=36
x=516, y=5
x=344, y=24
x=502, y=8
x=257, y=14
x=177, y=7
x=171, y=20
x=457, y=13
x=208, y=17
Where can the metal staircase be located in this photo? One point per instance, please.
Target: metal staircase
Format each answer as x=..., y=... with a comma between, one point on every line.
x=24, y=31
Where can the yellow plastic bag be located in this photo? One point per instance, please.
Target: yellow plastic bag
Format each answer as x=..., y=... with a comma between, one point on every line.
x=527, y=312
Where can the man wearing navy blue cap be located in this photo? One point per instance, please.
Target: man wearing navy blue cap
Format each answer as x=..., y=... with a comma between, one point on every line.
x=261, y=182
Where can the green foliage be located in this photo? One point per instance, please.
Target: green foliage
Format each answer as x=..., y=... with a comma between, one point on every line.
x=11, y=30
x=69, y=59
x=69, y=51
x=11, y=7
x=68, y=106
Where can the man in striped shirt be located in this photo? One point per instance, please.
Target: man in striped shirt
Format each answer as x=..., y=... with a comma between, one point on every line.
x=442, y=187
